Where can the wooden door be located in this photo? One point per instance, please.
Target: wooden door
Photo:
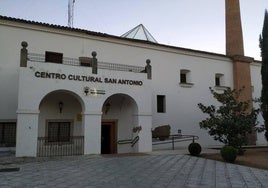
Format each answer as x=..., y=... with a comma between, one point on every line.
x=108, y=138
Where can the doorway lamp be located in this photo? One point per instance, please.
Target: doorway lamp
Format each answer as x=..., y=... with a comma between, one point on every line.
x=60, y=106
x=107, y=107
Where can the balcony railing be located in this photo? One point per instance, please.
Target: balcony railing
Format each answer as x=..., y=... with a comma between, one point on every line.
x=75, y=146
x=101, y=65
x=120, y=67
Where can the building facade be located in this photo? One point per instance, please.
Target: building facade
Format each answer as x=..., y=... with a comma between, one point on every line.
x=70, y=91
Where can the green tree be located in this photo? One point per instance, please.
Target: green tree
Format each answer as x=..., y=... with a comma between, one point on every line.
x=264, y=72
x=231, y=121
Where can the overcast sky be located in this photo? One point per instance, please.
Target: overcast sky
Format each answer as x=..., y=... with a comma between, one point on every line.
x=194, y=24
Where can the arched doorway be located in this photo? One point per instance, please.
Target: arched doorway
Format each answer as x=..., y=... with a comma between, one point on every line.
x=60, y=130
x=119, y=117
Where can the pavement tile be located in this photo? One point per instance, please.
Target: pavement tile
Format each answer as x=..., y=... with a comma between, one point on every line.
x=166, y=169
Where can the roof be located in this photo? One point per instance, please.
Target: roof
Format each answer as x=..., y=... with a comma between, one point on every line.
x=104, y=35
x=139, y=32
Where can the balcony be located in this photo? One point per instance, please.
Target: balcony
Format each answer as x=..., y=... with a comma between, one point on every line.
x=33, y=57
x=50, y=57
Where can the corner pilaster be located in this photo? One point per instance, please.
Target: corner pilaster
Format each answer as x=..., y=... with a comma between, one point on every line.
x=27, y=133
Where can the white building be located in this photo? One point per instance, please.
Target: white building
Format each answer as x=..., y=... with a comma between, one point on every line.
x=55, y=89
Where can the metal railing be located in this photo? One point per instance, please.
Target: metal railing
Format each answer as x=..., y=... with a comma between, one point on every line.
x=75, y=146
x=101, y=65
x=173, y=139
x=36, y=57
x=129, y=141
x=134, y=141
x=120, y=67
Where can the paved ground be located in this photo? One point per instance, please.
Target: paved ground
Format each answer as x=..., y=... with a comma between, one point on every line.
x=157, y=169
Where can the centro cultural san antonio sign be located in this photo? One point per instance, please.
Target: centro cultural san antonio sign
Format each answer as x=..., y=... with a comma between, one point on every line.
x=83, y=78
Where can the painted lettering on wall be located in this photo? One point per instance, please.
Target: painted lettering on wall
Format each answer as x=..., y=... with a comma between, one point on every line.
x=83, y=78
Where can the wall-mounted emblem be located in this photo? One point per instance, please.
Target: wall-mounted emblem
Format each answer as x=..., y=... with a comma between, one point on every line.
x=93, y=91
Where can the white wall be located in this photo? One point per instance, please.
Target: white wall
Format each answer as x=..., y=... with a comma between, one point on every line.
x=9, y=72
x=34, y=92
x=181, y=103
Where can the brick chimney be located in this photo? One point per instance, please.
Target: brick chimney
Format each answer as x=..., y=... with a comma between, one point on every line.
x=235, y=50
x=234, y=34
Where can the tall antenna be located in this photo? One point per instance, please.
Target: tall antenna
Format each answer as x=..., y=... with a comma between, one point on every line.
x=71, y=13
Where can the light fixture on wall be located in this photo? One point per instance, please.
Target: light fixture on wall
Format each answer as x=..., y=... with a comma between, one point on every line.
x=107, y=107
x=60, y=106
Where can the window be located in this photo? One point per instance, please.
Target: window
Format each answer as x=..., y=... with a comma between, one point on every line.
x=54, y=57
x=59, y=131
x=161, y=103
x=218, y=79
x=7, y=134
x=184, y=76
x=85, y=61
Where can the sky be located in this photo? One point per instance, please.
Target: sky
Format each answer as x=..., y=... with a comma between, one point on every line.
x=193, y=24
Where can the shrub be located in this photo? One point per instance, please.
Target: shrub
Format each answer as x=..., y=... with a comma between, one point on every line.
x=194, y=149
x=232, y=120
x=229, y=153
